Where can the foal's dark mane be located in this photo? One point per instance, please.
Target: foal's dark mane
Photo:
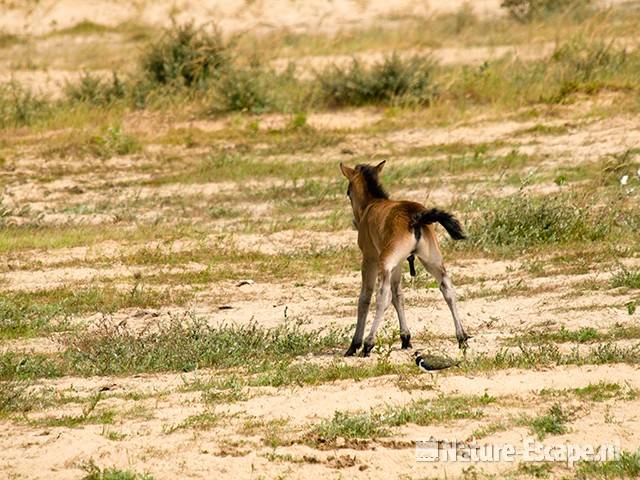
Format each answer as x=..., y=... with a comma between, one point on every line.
x=370, y=176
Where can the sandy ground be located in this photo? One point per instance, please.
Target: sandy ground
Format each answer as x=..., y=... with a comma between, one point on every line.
x=145, y=434
x=236, y=15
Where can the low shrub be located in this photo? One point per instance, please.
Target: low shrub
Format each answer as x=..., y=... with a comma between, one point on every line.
x=394, y=80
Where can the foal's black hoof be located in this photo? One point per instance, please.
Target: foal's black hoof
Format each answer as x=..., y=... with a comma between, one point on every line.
x=353, y=349
x=406, y=341
x=366, y=350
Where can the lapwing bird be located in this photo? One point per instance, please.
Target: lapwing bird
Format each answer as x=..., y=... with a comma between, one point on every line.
x=430, y=363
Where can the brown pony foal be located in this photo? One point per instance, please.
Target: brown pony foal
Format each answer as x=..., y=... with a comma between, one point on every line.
x=389, y=231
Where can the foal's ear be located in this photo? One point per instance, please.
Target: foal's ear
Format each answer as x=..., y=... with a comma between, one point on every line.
x=380, y=165
x=347, y=171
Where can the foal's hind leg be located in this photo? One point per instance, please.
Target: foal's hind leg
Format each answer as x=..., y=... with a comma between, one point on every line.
x=435, y=267
x=397, y=298
x=382, y=303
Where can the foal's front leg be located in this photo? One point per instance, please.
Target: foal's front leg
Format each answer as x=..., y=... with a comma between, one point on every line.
x=369, y=271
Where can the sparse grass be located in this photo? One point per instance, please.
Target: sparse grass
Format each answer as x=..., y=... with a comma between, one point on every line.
x=187, y=344
x=521, y=221
x=548, y=354
x=109, y=141
x=313, y=374
x=19, y=106
x=93, y=472
x=88, y=416
x=351, y=425
x=581, y=335
x=627, y=466
x=626, y=278
x=21, y=316
x=553, y=422
x=200, y=421
x=14, y=397
x=96, y=90
x=535, y=469
x=490, y=429
x=602, y=391
x=595, y=392
x=377, y=422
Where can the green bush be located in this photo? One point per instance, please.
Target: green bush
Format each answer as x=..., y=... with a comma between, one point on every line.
x=19, y=107
x=186, y=56
x=95, y=90
x=393, y=81
x=245, y=89
x=114, y=141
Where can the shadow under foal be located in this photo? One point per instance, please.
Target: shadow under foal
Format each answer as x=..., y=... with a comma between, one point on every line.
x=389, y=232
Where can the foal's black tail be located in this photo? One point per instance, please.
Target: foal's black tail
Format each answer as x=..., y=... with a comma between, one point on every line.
x=433, y=215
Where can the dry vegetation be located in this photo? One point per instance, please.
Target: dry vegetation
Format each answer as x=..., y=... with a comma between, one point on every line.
x=179, y=274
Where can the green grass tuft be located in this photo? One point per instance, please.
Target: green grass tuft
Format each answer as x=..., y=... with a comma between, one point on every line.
x=554, y=422
x=625, y=467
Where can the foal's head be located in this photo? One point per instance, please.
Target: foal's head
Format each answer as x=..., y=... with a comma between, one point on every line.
x=364, y=186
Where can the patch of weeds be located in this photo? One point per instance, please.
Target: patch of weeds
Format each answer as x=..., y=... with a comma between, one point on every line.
x=351, y=425
x=626, y=278
x=553, y=422
x=489, y=429
x=602, y=391
x=19, y=107
x=614, y=167
x=113, y=435
x=595, y=392
x=536, y=469
x=229, y=389
x=20, y=366
x=201, y=421
x=395, y=80
x=627, y=466
x=524, y=221
x=185, y=344
x=114, y=141
x=377, y=423
x=274, y=432
x=86, y=417
x=21, y=316
x=314, y=374
x=582, y=335
x=93, y=472
x=94, y=90
x=548, y=354
x=14, y=397
x=66, y=302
